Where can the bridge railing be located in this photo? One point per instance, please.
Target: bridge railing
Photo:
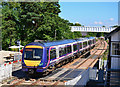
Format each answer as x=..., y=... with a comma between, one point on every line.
x=91, y=29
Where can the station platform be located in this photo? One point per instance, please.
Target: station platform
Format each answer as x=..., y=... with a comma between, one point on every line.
x=64, y=74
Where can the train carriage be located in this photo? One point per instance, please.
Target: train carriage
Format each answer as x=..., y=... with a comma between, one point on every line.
x=39, y=56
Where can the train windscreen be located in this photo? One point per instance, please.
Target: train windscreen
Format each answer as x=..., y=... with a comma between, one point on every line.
x=33, y=54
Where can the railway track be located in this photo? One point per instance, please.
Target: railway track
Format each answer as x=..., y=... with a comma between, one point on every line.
x=51, y=81
x=93, y=58
x=82, y=64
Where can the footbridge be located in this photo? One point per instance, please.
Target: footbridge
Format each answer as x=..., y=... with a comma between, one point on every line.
x=91, y=29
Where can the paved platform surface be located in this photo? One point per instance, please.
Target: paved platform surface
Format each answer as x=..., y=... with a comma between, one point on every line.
x=64, y=73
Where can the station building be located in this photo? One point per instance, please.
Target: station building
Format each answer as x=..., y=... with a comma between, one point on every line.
x=113, y=64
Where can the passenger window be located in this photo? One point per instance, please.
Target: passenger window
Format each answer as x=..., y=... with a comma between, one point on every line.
x=69, y=49
x=47, y=54
x=89, y=42
x=84, y=44
x=74, y=47
x=53, y=53
x=62, y=51
x=80, y=44
x=93, y=41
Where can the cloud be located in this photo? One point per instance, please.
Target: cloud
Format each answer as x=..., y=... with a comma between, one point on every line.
x=98, y=22
x=77, y=22
x=95, y=22
x=111, y=19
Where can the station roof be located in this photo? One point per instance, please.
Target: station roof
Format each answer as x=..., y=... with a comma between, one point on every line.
x=112, y=32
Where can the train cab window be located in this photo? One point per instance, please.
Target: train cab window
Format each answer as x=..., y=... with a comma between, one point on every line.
x=80, y=45
x=33, y=54
x=69, y=49
x=62, y=51
x=53, y=53
x=74, y=47
x=85, y=44
x=115, y=48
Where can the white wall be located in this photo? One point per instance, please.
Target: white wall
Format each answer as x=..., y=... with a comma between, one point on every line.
x=116, y=36
x=80, y=80
x=115, y=63
x=5, y=72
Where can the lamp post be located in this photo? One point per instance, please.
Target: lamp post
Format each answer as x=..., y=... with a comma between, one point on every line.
x=18, y=43
x=55, y=34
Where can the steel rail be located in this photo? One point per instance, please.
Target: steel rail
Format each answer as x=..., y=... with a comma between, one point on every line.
x=73, y=69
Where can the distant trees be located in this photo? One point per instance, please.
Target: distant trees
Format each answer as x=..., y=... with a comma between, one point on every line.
x=115, y=26
x=27, y=21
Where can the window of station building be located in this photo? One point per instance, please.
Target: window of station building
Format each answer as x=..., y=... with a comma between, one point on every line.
x=74, y=47
x=53, y=53
x=85, y=44
x=62, y=51
x=80, y=45
x=115, y=48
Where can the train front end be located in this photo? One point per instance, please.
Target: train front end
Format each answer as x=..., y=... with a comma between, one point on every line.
x=33, y=59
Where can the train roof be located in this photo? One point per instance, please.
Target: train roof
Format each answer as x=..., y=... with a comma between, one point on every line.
x=55, y=43
x=91, y=37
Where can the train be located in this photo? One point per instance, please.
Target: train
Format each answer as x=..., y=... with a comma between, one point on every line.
x=39, y=57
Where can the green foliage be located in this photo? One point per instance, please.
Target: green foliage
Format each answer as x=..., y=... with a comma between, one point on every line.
x=9, y=23
x=27, y=21
x=77, y=24
x=94, y=34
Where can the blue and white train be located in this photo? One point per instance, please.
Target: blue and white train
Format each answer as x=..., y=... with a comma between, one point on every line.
x=39, y=57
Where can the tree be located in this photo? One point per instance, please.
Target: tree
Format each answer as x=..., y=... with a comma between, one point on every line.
x=103, y=26
x=77, y=24
x=27, y=21
x=115, y=26
x=9, y=23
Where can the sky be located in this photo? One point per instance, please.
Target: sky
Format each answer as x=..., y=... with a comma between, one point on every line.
x=90, y=13
x=89, y=0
